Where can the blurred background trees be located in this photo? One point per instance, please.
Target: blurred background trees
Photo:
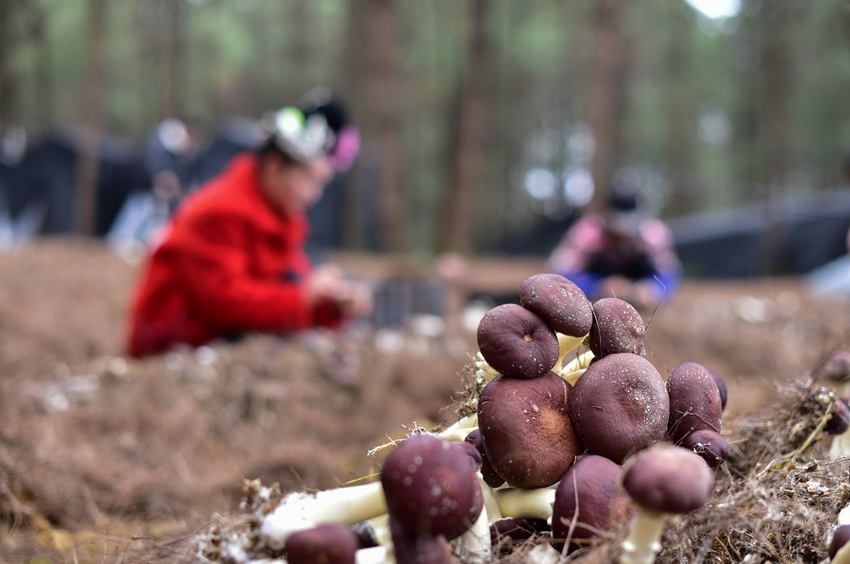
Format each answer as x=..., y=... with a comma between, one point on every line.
x=478, y=117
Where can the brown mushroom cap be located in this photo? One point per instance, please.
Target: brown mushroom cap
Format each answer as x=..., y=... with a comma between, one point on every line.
x=527, y=432
x=694, y=401
x=516, y=529
x=619, y=406
x=559, y=302
x=430, y=486
x=839, y=420
x=333, y=543
x=491, y=478
x=839, y=538
x=669, y=479
x=421, y=549
x=517, y=343
x=590, y=492
x=709, y=445
x=617, y=328
x=836, y=368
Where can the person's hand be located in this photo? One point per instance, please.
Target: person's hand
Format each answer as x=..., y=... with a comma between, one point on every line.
x=327, y=284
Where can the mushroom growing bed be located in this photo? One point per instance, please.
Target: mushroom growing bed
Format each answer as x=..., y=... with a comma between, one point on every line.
x=572, y=447
x=141, y=480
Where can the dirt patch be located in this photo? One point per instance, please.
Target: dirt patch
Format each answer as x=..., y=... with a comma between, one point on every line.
x=96, y=449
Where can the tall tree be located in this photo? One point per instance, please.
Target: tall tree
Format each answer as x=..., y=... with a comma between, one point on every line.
x=92, y=112
x=375, y=81
x=679, y=121
x=7, y=81
x=465, y=145
x=39, y=38
x=606, y=94
x=173, y=23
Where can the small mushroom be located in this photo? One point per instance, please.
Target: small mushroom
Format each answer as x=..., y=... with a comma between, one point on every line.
x=588, y=500
x=332, y=543
x=839, y=546
x=619, y=406
x=839, y=420
x=431, y=488
x=708, y=445
x=559, y=302
x=663, y=480
x=527, y=433
x=721, y=387
x=617, y=328
x=694, y=401
x=419, y=549
x=491, y=478
x=836, y=368
x=516, y=342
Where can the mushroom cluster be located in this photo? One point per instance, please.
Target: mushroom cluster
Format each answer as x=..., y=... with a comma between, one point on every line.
x=568, y=440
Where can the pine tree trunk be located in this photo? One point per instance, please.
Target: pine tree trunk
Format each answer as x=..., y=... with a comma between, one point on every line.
x=606, y=97
x=467, y=137
x=172, y=55
x=378, y=97
x=92, y=112
x=7, y=90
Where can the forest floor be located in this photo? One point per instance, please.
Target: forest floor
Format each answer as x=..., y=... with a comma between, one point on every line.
x=104, y=457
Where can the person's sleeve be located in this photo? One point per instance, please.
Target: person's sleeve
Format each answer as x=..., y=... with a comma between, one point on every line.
x=659, y=241
x=213, y=262
x=572, y=253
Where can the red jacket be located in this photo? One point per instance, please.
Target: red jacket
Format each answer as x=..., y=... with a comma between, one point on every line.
x=228, y=264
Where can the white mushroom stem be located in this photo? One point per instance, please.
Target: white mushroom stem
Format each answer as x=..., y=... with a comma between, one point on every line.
x=301, y=511
x=578, y=363
x=526, y=504
x=457, y=431
x=840, y=447
x=842, y=556
x=375, y=555
x=644, y=540
x=491, y=504
x=566, y=344
x=844, y=516
x=474, y=545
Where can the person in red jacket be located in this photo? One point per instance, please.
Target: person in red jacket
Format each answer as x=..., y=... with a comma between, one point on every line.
x=232, y=260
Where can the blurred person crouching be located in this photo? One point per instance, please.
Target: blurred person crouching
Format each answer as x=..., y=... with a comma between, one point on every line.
x=232, y=260
x=622, y=252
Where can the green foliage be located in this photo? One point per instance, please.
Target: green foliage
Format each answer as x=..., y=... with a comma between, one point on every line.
x=685, y=71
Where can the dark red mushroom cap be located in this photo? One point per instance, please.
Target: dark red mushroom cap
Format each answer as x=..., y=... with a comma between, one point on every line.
x=619, y=406
x=491, y=478
x=333, y=543
x=709, y=445
x=590, y=492
x=617, y=328
x=419, y=549
x=527, y=432
x=721, y=387
x=694, y=401
x=517, y=343
x=837, y=367
x=668, y=479
x=839, y=538
x=430, y=486
x=839, y=420
x=558, y=302
x=516, y=529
